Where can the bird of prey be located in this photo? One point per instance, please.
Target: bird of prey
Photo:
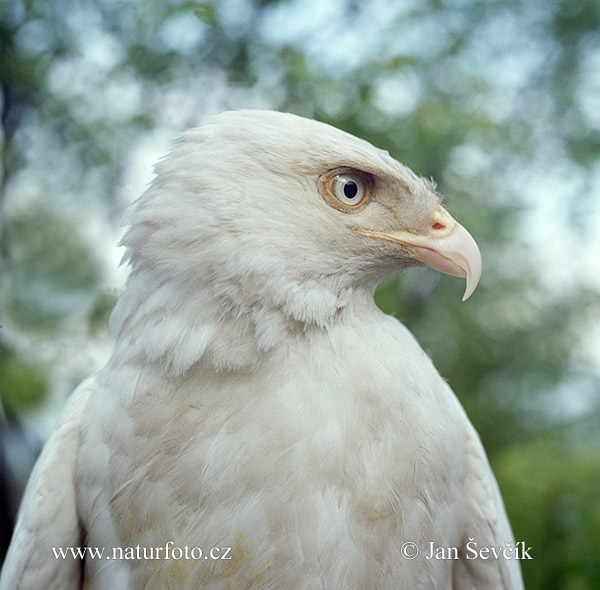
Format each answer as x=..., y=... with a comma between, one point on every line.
x=261, y=424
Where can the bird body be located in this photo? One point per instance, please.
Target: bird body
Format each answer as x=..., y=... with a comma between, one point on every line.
x=257, y=402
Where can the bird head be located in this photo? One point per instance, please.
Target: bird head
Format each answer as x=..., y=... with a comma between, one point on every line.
x=264, y=218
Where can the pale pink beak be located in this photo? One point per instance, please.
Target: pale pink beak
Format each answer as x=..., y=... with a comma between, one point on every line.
x=447, y=247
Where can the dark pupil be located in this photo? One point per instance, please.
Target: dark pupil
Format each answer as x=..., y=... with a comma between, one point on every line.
x=350, y=189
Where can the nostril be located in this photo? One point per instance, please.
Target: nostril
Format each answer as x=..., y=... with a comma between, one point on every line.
x=438, y=225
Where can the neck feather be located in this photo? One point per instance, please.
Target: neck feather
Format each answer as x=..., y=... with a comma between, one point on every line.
x=227, y=327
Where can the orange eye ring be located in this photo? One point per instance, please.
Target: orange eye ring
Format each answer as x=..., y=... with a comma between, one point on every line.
x=348, y=189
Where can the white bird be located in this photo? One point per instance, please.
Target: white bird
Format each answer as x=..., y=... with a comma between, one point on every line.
x=261, y=424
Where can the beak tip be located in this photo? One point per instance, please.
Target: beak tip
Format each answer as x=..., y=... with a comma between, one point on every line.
x=468, y=292
x=473, y=273
x=456, y=254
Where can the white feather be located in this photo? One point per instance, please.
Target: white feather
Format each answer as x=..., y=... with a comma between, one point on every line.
x=256, y=398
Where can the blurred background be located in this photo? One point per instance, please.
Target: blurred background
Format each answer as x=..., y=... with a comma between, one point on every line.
x=497, y=100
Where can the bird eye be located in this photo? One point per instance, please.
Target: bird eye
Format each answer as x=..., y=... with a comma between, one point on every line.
x=348, y=188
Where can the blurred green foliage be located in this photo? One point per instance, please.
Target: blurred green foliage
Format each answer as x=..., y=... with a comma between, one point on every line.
x=482, y=96
x=50, y=267
x=552, y=490
x=22, y=384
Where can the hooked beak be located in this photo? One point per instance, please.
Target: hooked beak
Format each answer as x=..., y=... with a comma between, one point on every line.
x=447, y=247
